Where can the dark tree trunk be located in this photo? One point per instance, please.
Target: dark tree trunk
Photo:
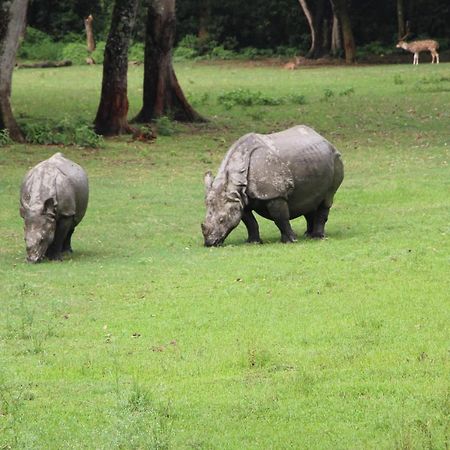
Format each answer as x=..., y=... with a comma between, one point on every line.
x=401, y=19
x=12, y=24
x=162, y=93
x=112, y=112
x=317, y=17
x=340, y=8
x=204, y=18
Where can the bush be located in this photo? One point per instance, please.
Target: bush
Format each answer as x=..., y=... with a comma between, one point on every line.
x=75, y=52
x=136, y=52
x=220, y=52
x=165, y=127
x=39, y=46
x=374, y=48
x=245, y=97
x=183, y=53
x=4, y=138
x=63, y=132
x=99, y=53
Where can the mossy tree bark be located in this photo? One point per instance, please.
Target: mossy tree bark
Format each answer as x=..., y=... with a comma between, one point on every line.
x=12, y=24
x=111, y=119
x=163, y=95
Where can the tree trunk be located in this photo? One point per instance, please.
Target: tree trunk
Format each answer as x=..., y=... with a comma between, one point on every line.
x=12, y=24
x=162, y=93
x=204, y=18
x=310, y=20
x=340, y=7
x=112, y=112
x=90, y=41
x=336, y=42
x=318, y=25
x=401, y=19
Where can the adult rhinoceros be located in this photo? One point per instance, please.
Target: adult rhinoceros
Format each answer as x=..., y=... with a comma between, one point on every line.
x=281, y=176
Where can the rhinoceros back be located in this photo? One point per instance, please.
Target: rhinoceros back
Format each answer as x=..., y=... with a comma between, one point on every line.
x=58, y=178
x=309, y=164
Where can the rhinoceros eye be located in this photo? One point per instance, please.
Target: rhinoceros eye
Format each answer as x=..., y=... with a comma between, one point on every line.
x=221, y=219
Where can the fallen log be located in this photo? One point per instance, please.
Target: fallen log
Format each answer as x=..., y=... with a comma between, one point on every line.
x=44, y=64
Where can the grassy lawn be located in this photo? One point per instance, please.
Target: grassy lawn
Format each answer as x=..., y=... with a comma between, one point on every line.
x=143, y=338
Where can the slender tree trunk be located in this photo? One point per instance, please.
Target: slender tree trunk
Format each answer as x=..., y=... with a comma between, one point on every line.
x=12, y=23
x=162, y=92
x=204, y=18
x=112, y=112
x=401, y=19
x=90, y=41
x=318, y=26
x=336, y=42
x=309, y=18
x=340, y=7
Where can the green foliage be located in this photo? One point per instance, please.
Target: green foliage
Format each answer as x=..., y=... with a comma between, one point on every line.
x=165, y=126
x=99, y=53
x=63, y=132
x=75, y=52
x=220, y=52
x=4, y=138
x=246, y=97
x=39, y=46
x=374, y=48
x=136, y=52
x=328, y=94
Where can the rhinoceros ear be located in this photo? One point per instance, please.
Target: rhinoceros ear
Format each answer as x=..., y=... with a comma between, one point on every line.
x=233, y=196
x=49, y=208
x=208, y=181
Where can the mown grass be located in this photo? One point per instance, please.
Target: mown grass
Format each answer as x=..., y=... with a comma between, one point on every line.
x=143, y=338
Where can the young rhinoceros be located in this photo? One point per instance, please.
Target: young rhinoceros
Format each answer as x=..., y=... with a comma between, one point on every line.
x=53, y=200
x=281, y=176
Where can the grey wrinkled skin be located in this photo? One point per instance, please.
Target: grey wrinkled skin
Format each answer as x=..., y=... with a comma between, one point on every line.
x=53, y=200
x=281, y=176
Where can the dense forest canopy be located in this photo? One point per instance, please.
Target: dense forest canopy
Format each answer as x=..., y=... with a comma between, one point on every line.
x=259, y=23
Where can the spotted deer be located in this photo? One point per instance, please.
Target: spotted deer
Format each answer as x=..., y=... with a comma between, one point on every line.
x=416, y=47
x=292, y=65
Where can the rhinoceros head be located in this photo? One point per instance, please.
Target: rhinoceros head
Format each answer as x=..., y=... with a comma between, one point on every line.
x=224, y=208
x=40, y=225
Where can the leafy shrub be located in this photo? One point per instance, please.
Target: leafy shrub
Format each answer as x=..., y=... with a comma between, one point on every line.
x=245, y=97
x=165, y=127
x=75, y=52
x=374, y=48
x=189, y=41
x=63, y=132
x=298, y=99
x=347, y=92
x=220, y=52
x=4, y=138
x=39, y=46
x=136, y=52
x=327, y=94
x=99, y=53
x=183, y=53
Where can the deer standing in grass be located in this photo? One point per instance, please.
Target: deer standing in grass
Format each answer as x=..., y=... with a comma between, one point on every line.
x=292, y=65
x=421, y=46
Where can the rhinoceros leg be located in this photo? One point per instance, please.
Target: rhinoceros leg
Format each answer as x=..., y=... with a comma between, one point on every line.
x=320, y=219
x=67, y=246
x=63, y=227
x=252, y=227
x=279, y=212
x=310, y=217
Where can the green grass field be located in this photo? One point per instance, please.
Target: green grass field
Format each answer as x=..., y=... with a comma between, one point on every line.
x=143, y=338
